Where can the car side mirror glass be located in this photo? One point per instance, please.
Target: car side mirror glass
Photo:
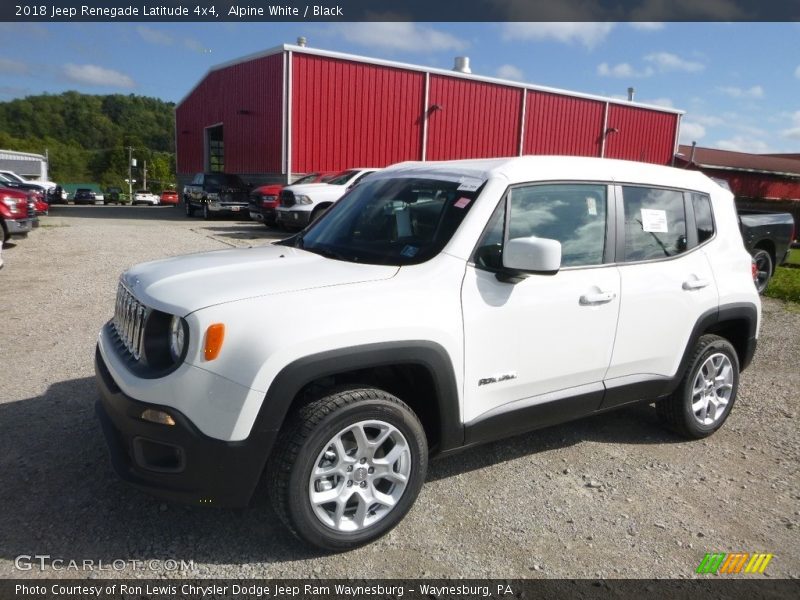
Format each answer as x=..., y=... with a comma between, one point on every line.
x=532, y=255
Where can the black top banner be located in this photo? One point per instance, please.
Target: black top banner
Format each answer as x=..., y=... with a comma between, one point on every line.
x=399, y=10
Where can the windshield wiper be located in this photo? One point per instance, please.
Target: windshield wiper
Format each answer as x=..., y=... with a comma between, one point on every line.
x=327, y=253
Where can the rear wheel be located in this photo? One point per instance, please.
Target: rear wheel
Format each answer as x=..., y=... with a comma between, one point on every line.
x=348, y=467
x=707, y=392
x=763, y=269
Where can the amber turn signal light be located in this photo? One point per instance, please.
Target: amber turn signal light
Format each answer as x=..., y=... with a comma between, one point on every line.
x=215, y=334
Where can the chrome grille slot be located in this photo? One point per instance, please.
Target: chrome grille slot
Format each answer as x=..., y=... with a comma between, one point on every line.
x=130, y=316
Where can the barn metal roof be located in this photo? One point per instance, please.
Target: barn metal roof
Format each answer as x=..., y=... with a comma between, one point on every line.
x=712, y=158
x=423, y=69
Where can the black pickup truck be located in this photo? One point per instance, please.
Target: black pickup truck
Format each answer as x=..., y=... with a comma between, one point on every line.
x=768, y=237
x=215, y=194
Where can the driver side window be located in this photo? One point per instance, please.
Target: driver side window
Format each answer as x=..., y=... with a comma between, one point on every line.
x=573, y=214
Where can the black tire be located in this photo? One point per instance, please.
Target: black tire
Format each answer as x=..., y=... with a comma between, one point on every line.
x=206, y=212
x=764, y=268
x=189, y=209
x=676, y=411
x=306, y=434
x=317, y=213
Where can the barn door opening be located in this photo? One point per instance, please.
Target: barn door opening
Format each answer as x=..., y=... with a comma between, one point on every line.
x=215, y=149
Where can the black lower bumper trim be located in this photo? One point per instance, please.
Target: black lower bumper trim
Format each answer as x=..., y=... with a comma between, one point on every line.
x=199, y=470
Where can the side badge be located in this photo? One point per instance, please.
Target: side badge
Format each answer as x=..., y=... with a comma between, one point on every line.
x=496, y=379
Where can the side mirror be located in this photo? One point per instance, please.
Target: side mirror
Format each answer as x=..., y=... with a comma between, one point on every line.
x=532, y=255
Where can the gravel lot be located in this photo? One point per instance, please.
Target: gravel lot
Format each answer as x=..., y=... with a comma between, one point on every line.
x=610, y=496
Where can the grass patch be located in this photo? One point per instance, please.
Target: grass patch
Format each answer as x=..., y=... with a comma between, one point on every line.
x=794, y=257
x=785, y=285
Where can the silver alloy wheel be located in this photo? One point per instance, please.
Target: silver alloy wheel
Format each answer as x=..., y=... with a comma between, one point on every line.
x=712, y=389
x=360, y=475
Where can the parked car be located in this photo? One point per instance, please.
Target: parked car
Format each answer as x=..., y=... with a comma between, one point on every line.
x=146, y=197
x=16, y=219
x=44, y=186
x=437, y=306
x=169, y=197
x=113, y=195
x=84, y=196
x=305, y=203
x=216, y=194
x=768, y=237
x=264, y=200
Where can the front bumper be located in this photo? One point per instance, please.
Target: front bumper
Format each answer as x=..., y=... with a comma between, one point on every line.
x=177, y=462
x=293, y=218
x=227, y=207
x=19, y=227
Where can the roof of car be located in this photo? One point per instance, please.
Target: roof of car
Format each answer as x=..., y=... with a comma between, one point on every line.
x=555, y=168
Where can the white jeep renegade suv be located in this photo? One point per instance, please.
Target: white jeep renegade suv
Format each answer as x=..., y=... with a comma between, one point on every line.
x=436, y=306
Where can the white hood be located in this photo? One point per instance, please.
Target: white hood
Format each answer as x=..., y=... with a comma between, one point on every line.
x=184, y=284
x=319, y=192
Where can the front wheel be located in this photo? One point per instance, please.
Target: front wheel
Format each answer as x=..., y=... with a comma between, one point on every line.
x=189, y=209
x=206, y=213
x=763, y=261
x=707, y=392
x=348, y=467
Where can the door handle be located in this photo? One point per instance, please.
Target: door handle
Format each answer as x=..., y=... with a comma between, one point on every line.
x=597, y=298
x=695, y=284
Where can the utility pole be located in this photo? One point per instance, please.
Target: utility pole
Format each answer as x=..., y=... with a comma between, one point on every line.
x=130, y=175
x=144, y=176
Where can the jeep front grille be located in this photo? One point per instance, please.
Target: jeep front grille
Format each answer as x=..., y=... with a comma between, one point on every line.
x=129, y=320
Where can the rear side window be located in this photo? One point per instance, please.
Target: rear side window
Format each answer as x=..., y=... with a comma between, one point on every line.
x=703, y=217
x=655, y=223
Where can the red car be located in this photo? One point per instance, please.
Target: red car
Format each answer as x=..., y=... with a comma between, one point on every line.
x=264, y=200
x=16, y=220
x=169, y=197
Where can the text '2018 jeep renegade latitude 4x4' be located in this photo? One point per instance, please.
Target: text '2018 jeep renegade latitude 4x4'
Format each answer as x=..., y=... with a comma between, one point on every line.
x=439, y=305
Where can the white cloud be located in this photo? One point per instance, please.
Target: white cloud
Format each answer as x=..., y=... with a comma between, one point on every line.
x=622, y=70
x=691, y=132
x=793, y=133
x=741, y=143
x=665, y=102
x=195, y=46
x=736, y=92
x=97, y=76
x=797, y=72
x=510, y=72
x=666, y=61
x=647, y=25
x=13, y=67
x=707, y=120
x=154, y=36
x=588, y=34
x=408, y=37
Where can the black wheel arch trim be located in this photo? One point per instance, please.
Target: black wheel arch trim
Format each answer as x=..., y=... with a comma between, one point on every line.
x=431, y=356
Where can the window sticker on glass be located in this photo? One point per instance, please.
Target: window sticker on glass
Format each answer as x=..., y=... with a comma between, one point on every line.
x=409, y=251
x=469, y=184
x=591, y=206
x=654, y=220
x=462, y=202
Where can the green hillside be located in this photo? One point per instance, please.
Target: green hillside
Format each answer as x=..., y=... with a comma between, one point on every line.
x=86, y=136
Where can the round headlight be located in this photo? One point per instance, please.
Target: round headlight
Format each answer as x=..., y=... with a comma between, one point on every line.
x=177, y=338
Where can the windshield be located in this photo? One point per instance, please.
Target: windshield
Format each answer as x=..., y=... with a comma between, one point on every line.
x=224, y=180
x=310, y=178
x=13, y=177
x=400, y=221
x=342, y=178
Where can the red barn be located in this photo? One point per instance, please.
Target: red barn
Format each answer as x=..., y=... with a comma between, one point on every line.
x=760, y=181
x=293, y=109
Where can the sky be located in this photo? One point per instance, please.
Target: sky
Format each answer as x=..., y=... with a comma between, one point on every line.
x=739, y=83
